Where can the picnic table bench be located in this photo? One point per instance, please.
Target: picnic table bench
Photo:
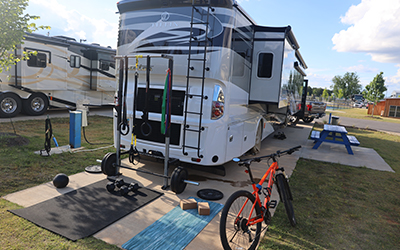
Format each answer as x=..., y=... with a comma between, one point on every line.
x=333, y=132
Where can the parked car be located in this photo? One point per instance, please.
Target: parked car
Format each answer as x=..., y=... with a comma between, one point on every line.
x=313, y=111
x=358, y=105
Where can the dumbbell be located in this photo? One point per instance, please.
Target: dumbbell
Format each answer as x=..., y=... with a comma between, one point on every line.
x=120, y=183
x=117, y=183
x=127, y=188
x=110, y=186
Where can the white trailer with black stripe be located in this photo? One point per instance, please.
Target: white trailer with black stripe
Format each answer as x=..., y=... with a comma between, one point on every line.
x=62, y=73
x=232, y=79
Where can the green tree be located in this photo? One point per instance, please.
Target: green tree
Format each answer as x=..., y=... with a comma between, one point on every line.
x=14, y=25
x=340, y=94
x=317, y=91
x=325, y=94
x=374, y=91
x=349, y=83
x=309, y=90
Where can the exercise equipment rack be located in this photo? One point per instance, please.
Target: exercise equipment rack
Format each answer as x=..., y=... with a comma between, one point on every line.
x=111, y=162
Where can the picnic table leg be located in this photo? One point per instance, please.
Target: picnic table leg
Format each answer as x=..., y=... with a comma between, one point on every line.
x=347, y=144
x=322, y=137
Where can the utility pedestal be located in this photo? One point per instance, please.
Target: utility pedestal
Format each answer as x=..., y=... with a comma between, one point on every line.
x=75, y=123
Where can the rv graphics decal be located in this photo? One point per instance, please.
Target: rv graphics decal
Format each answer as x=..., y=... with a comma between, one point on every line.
x=169, y=30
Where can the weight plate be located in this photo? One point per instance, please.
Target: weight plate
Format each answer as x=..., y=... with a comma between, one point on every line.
x=177, y=180
x=93, y=169
x=107, y=166
x=210, y=194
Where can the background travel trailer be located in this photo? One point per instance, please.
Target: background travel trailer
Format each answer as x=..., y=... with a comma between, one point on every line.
x=62, y=73
x=232, y=79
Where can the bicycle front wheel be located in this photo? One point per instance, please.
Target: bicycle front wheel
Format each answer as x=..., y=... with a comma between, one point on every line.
x=234, y=230
x=286, y=197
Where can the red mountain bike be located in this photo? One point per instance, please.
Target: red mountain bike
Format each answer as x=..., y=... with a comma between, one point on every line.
x=243, y=213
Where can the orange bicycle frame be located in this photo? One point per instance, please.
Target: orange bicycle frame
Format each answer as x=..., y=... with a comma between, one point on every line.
x=270, y=172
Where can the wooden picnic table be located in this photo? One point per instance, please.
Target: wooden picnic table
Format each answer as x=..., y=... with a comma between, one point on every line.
x=334, y=134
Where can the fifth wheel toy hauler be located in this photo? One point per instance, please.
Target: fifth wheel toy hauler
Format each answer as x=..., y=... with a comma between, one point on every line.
x=232, y=79
x=62, y=73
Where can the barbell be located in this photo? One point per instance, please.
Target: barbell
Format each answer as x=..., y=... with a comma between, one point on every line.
x=178, y=178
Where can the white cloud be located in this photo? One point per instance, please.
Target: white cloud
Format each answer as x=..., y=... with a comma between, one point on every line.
x=317, y=78
x=361, y=69
x=393, y=82
x=374, y=29
x=94, y=28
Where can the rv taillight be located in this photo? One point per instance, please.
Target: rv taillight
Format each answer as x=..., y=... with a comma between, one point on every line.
x=218, y=103
x=196, y=159
x=309, y=107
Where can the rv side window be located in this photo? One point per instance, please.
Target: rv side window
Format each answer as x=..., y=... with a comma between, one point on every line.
x=37, y=61
x=104, y=65
x=75, y=62
x=265, y=65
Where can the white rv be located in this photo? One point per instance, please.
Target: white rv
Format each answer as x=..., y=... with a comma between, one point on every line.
x=232, y=79
x=62, y=73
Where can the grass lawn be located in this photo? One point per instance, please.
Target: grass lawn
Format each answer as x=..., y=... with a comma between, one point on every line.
x=336, y=206
x=20, y=168
x=360, y=113
x=343, y=207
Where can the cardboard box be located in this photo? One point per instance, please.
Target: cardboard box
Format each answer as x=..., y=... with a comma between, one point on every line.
x=188, y=204
x=203, y=208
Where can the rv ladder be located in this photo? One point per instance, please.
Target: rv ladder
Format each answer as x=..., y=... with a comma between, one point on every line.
x=202, y=13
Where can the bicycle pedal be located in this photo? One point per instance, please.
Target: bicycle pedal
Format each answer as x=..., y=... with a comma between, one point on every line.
x=272, y=204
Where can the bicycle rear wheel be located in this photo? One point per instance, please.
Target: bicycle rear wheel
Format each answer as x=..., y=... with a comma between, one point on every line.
x=286, y=196
x=233, y=229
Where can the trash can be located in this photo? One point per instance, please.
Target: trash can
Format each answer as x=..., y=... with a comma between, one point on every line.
x=335, y=120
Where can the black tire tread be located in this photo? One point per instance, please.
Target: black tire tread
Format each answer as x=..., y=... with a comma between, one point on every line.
x=224, y=215
x=285, y=195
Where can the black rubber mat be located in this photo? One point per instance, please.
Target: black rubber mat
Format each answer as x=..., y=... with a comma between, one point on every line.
x=85, y=211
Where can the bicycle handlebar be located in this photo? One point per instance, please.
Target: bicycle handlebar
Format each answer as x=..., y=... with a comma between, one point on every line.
x=276, y=154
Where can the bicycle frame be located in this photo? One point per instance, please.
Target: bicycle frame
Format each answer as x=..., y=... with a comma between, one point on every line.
x=257, y=189
x=236, y=220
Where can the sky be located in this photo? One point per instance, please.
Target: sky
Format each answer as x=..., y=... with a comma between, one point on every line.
x=335, y=36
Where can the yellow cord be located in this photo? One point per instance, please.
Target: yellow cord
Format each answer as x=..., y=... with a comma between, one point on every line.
x=137, y=60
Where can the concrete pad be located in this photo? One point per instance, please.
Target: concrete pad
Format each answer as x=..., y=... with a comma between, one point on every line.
x=46, y=191
x=234, y=180
x=55, y=150
x=337, y=153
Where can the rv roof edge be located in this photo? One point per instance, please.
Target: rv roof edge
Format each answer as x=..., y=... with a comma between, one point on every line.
x=135, y=5
x=62, y=41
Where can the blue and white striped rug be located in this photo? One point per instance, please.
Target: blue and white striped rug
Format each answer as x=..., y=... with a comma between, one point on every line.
x=175, y=230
